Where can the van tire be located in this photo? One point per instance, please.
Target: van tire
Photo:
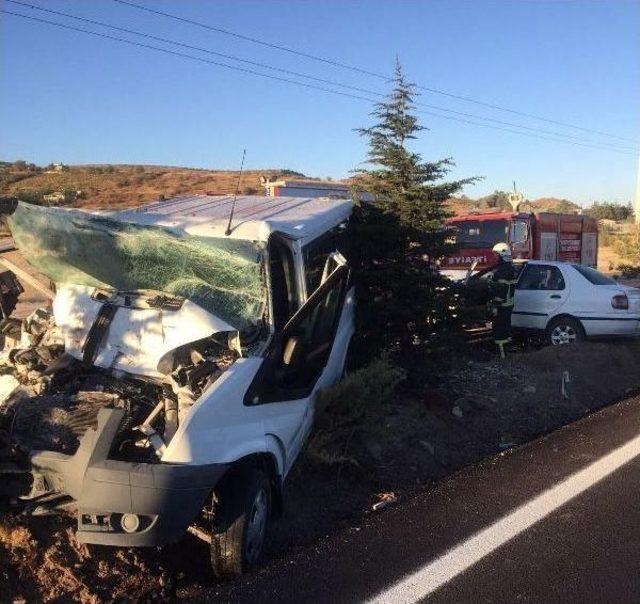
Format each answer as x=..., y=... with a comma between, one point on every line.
x=564, y=330
x=242, y=506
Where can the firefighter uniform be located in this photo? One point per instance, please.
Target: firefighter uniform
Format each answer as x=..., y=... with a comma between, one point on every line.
x=503, y=284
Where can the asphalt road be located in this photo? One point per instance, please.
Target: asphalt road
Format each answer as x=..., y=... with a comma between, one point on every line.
x=556, y=520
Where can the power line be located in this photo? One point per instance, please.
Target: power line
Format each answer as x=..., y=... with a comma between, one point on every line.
x=363, y=71
x=183, y=55
x=294, y=82
x=314, y=78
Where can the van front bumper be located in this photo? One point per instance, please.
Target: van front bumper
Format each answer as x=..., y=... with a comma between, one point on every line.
x=125, y=503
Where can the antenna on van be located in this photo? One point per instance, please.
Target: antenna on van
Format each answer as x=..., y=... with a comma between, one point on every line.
x=235, y=195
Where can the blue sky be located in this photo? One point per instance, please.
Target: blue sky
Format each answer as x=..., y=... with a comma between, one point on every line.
x=74, y=98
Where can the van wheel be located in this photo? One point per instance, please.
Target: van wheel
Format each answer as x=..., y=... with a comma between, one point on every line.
x=242, y=513
x=563, y=331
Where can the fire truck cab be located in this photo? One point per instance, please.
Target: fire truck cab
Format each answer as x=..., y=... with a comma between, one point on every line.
x=531, y=236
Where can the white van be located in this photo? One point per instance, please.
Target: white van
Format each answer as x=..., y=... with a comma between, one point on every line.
x=210, y=341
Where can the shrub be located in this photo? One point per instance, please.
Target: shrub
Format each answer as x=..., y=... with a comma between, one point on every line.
x=610, y=211
x=356, y=404
x=627, y=246
x=629, y=271
x=606, y=236
x=70, y=195
x=33, y=196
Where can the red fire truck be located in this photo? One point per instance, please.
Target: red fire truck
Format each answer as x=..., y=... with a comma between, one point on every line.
x=538, y=236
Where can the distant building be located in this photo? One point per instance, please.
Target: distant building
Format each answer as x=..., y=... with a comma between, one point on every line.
x=53, y=168
x=310, y=188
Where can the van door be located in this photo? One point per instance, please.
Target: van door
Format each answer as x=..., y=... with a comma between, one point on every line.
x=540, y=292
x=296, y=360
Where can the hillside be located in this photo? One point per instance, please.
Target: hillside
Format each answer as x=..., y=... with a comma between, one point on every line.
x=551, y=204
x=497, y=201
x=117, y=186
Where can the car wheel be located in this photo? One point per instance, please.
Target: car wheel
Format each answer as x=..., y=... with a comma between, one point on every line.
x=563, y=331
x=241, y=518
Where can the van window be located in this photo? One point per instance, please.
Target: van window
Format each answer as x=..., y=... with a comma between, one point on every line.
x=284, y=298
x=314, y=329
x=316, y=252
x=541, y=277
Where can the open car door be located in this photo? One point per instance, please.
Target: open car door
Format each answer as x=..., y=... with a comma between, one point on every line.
x=300, y=358
x=334, y=260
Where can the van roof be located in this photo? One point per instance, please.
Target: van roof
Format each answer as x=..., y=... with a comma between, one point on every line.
x=255, y=217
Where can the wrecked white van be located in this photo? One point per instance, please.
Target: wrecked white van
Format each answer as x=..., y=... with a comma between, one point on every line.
x=187, y=363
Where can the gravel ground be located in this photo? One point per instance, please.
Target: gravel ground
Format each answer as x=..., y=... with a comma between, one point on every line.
x=475, y=411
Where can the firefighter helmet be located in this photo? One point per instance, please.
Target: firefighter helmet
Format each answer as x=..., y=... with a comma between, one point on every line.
x=502, y=249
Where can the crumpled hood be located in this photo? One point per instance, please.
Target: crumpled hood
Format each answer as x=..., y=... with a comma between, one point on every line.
x=136, y=338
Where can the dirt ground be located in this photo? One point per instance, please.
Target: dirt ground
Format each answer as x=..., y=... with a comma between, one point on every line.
x=479, y=409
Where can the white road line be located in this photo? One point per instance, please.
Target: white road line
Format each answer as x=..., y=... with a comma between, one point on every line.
x=434, y=575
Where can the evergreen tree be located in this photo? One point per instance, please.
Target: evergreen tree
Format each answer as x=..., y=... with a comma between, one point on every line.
x=404, y=304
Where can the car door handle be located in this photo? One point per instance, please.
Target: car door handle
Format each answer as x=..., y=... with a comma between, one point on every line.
x=555, y=296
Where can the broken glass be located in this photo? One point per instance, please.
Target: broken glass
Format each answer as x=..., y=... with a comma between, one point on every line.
x=222, y=275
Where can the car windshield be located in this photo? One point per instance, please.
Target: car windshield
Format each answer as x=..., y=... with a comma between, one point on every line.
x=223, y=276
x=594, y=276
x=481, y=233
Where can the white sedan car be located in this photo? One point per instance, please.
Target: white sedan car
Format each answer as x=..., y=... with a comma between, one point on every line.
x=568, y=302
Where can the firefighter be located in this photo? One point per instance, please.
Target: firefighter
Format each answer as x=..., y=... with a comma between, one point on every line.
x=501, y=304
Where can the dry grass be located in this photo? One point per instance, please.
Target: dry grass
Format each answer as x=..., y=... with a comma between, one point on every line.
x=124, y=186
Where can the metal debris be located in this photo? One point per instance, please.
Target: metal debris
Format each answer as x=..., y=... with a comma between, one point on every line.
x=384, y=500
x=49, y=399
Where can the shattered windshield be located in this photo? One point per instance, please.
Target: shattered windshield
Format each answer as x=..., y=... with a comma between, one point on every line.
x=224, y=276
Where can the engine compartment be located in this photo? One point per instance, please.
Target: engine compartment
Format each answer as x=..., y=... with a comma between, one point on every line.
x=49, y=399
